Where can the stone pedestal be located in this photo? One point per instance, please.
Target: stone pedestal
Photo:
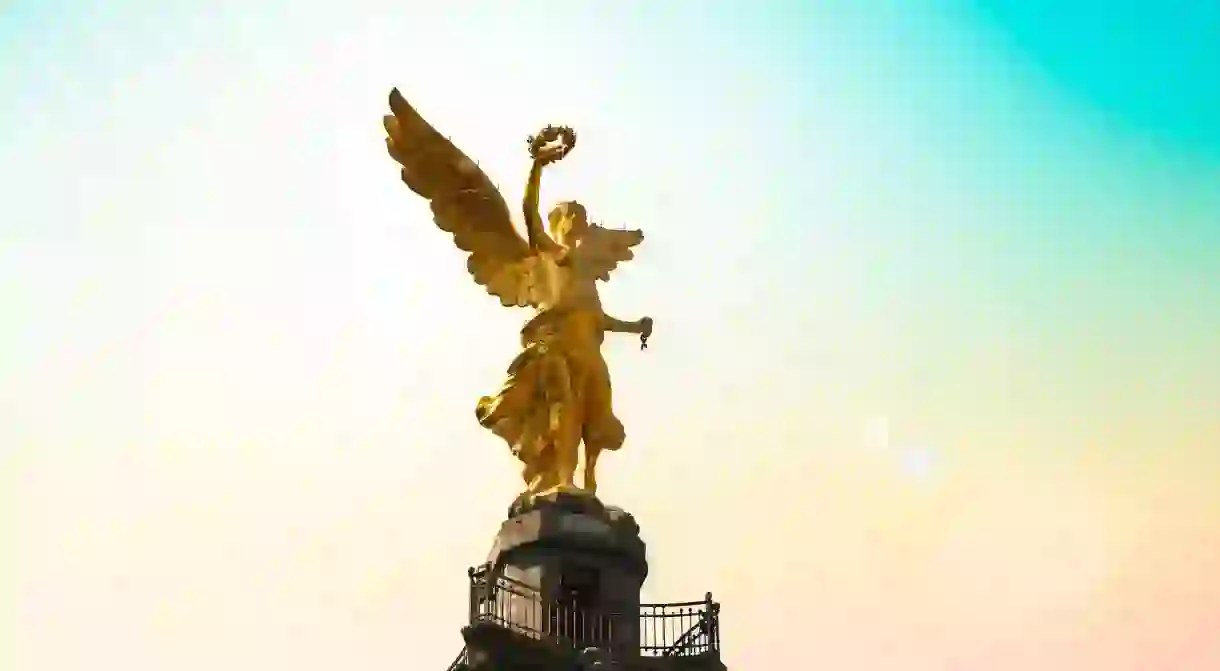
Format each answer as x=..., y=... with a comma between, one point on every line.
x=564, y=569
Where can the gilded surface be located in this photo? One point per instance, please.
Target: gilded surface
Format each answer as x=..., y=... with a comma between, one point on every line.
x=557, y=393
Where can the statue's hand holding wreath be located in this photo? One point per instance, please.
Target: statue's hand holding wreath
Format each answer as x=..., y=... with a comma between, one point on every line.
x=551, y=144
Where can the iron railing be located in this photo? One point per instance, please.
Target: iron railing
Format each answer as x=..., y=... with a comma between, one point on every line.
x=659, y=630
x=460, y=663
x=680, y=629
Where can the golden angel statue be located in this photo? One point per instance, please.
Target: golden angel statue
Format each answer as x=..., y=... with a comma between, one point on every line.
x=558, y=388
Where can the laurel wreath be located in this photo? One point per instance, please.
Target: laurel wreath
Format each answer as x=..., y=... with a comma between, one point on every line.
x=551, y=134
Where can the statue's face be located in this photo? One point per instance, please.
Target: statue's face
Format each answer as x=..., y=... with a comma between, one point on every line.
x=578, y=224
x=571, y=225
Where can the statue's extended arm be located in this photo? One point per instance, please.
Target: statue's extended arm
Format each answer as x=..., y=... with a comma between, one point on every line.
x=538, y=239
x=613, y=325
x=641, y=326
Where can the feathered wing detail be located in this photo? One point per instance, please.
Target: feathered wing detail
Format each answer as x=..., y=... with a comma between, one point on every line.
x=464, y=203
x=602, y=249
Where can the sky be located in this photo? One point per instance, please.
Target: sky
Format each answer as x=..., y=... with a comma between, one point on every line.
x=935, y=381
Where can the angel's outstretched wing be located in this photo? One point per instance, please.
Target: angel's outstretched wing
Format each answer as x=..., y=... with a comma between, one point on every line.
x=464, y=203
x=602, y=249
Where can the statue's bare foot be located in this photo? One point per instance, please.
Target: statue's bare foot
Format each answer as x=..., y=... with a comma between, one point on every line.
x=523, y=498
x=590, y=483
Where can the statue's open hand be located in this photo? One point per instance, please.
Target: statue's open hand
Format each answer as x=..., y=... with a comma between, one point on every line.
x=549, y=153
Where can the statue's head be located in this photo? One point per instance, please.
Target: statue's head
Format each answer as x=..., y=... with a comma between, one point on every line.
x=568, y=222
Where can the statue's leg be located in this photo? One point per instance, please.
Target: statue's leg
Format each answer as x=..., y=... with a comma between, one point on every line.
x=529, y=473
x=545, y=481
x=567, y=449
x=602, y=430
x=565, y=423
x=591, y=453
x=547, y=476
x=528, y=450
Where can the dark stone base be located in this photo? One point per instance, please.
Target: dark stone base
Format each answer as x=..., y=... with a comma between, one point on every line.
x=561, y=524
x=576, y=503
x=493, y=648
x=557, y=554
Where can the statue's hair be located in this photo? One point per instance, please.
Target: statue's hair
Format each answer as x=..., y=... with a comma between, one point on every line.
x=560, y=217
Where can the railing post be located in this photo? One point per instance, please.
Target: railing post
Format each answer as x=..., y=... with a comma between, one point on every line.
x=473, y=596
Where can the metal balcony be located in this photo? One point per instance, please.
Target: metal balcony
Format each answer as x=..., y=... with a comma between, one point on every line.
x=684, y=629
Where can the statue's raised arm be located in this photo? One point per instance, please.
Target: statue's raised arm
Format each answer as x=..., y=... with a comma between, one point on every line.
x=464, y=203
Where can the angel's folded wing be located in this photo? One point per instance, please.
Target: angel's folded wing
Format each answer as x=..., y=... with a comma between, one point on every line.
x=464, y=203
x=602, y=249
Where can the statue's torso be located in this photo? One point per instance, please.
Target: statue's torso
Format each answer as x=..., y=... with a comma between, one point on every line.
x=572, y=302
x=567, y=286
